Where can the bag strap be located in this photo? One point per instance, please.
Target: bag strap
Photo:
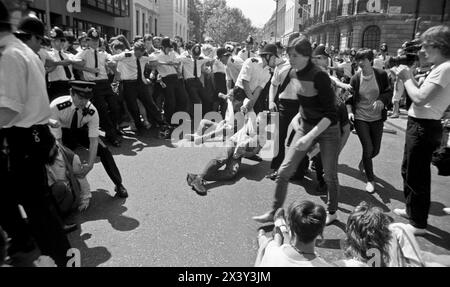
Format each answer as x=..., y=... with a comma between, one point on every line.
x=283, y=86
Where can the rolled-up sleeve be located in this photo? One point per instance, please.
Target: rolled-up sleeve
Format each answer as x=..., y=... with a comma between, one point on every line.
x=93, y=126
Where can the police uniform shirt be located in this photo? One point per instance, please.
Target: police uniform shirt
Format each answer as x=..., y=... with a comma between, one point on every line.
x=188, y=66
x=127, y=65
x=243, y=54
x=254, y=73
x=44, y=56
x=233, y=68
x=59, y=74
x=63, y=110
x=88, y=56
x=166, y=70
x=279, y=76
x=22, y=84
x=219, y=67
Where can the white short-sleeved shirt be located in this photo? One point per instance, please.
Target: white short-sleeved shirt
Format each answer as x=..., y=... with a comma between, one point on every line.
x=166, y=70
x=274, y=256
x=233, y=68
x=22, y=84
x=253, y=72
x=59, y=74
x=435, y=109
x=219, y=67
x=44, y=56
x=88, y=56
x=127, y=66
x=63, y=111
x=279, y=76
x=188, y=66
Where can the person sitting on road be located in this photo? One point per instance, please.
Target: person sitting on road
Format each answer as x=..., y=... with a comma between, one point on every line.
x=373, y=240
x=293, y=244
x=247, y=142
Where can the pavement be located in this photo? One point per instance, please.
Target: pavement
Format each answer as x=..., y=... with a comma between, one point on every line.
x=165, y=223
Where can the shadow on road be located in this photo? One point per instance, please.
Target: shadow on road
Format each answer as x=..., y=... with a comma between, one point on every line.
x=438, y=237
x=132, y=144
x=103, y=207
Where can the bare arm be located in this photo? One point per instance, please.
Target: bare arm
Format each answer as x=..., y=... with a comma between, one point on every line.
x=6, y=116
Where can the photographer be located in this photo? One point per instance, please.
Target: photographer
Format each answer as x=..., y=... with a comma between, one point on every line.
x=424, y=130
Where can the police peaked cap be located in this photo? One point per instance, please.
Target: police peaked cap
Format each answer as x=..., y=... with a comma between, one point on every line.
x=57, y=33
x=31, y=25
x=83, y=89
x=249, y=40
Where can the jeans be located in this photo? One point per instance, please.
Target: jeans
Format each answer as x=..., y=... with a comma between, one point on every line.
x=174, y=97
x=423, y=137
x=370, y=135
x=329, y=146
x=232, y=165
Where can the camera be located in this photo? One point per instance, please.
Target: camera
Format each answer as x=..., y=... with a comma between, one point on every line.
x=411, y=49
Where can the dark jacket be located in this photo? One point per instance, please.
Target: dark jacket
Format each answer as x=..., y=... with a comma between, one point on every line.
x=383, y=84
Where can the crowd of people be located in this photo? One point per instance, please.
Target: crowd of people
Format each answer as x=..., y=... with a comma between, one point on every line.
x=59, y=93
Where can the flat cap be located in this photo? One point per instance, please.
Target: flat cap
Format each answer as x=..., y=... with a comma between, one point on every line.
x=83, y=89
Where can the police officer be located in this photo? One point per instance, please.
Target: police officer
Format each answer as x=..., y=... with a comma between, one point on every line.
x=247, y=52
x=94, y=70
x=59, y=77
x=25, y=144
x=75, y=121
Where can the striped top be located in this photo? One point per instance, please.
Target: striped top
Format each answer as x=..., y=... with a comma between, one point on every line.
x=316, y=95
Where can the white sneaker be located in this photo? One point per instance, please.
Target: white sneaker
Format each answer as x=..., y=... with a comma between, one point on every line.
x=415, y=230
x=401, y=212
x=370, y=187
x=330, y=218
x=446, y=210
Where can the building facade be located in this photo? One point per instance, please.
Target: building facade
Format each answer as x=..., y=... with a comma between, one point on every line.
x=173, y=18
x=368, y=23
x=144, y=17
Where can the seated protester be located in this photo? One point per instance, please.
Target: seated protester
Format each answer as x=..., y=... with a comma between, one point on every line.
x=373, y=241
x=75, y=121
x=226, y=127
x=294, y=243
x=247, y=142
x=69, y=186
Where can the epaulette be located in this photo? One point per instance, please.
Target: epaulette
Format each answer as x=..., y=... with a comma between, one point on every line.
x=63, y=106
x=88, y=111
x=254, y=60
x=232, y=60
x=201, y=58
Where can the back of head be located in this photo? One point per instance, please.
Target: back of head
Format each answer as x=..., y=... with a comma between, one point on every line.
x=439, y=36
x=367, y=228
x=306, y=220
x=302, y=46
x=166, y=42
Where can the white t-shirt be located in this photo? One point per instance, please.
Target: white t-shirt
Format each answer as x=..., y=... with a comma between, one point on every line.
x=435, y=109
x=279, y=76
x=274, y=256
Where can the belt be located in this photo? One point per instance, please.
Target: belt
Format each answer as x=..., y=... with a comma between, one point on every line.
x=101, y=81
x=193, y=79
x=129, y=81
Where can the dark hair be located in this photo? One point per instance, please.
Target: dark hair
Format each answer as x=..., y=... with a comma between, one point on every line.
x=124, y=41
x=362, y=54
x=148, y=37
x=166, y=42
x=3, y=247
x=367, y=228
x=302, y=46
x=117, y=45
x=139, y=45
x=439, y=36
x=306, y=220
x=24, y=37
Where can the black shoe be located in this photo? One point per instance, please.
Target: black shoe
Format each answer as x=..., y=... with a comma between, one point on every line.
x=69, y=228
x=198, y=185
x=273, y=175
x=121, y=191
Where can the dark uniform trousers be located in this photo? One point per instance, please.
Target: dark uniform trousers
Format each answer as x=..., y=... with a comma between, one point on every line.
x=174, y=97
x=24, y=181
x=220, y=83
x=198, y=95
x=58, y=89
x=107, y=105
x=212, y=170
x=73, y=137
x=132, y=90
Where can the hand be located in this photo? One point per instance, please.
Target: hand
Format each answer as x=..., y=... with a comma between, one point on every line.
x=244, y=109
x=273, y=107
x=44, y=261
x=351, y=117
x=54, y=124
x=404, y=73
x=347, y=87
x=378, y=106
x=85, y=169
x=304, y=143
x=84, y=204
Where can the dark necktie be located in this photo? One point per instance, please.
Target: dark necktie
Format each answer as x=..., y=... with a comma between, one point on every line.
x=74, y=124
x=66, y=69
x=195, y=68
x=139, y=70
x=248, y=54
x=96, y=61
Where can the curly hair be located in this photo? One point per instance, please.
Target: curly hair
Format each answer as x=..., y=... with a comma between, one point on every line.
x=368, y=228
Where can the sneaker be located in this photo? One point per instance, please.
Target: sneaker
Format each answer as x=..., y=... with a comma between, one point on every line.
x=415, y=230
x=401, y=212
x=190, y=178
x=370, y=187
x=272, y=175
x=446, y=210
x=265, y=218
x=198, y=186
x=330, y=218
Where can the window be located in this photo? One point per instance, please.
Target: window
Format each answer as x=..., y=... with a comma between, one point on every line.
x=350, y=39
x=156, y=27
x=371, y=37
x=143, y=24
x=137, y=22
